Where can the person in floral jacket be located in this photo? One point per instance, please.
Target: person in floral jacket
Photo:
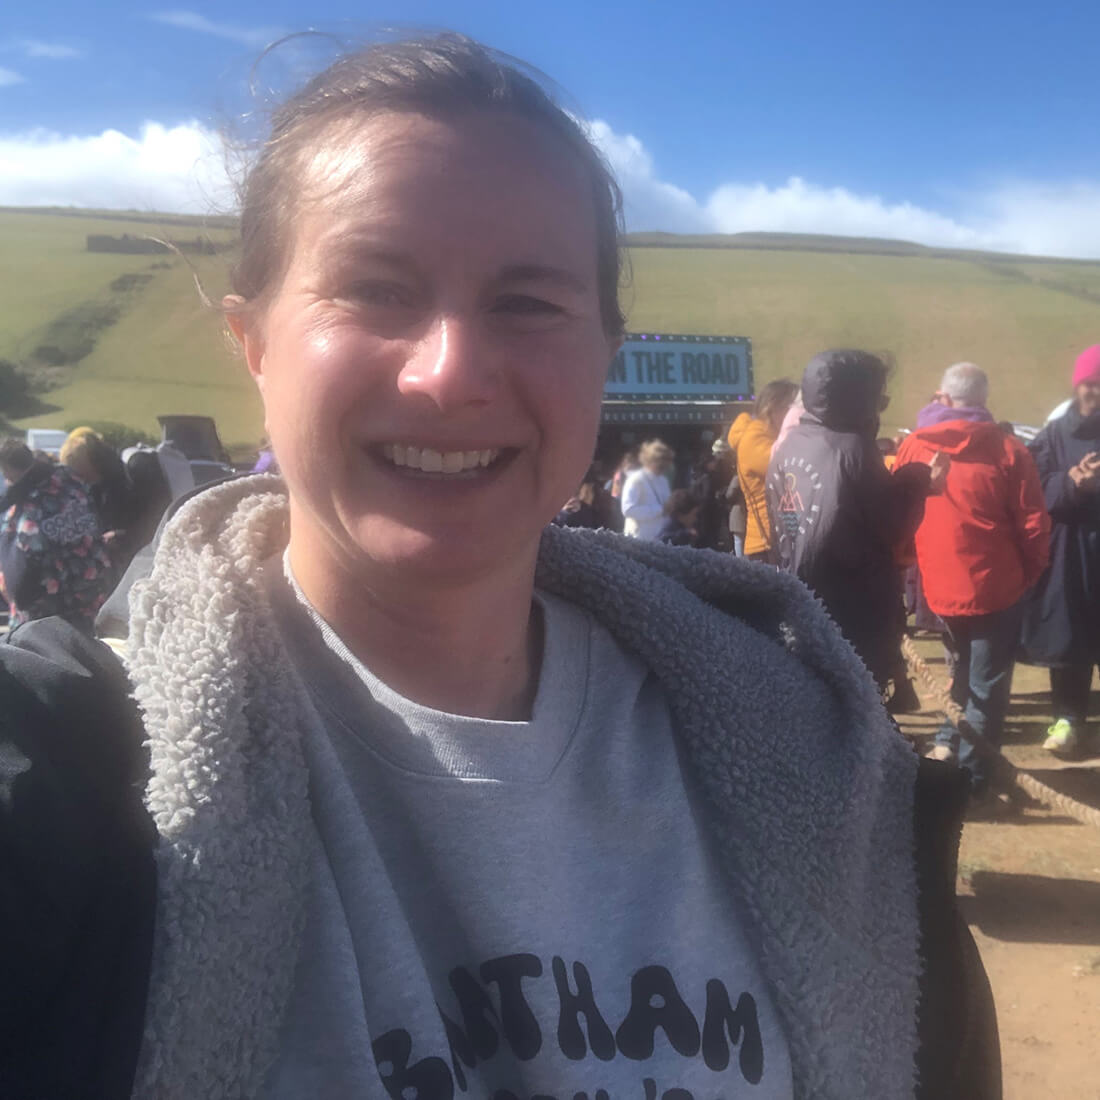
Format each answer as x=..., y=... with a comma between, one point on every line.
x=53, y=560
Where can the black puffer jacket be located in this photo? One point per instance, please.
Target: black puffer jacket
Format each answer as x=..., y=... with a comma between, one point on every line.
x=838, y=516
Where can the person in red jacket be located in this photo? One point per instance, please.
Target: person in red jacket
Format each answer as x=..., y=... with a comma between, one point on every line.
x=982, y=544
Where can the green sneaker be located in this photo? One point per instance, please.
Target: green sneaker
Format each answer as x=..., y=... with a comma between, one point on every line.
x=1061, y=738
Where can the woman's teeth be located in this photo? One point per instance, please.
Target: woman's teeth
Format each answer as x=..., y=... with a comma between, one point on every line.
x=437, y=462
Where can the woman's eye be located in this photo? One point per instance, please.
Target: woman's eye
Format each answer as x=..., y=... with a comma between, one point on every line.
x=524, y=305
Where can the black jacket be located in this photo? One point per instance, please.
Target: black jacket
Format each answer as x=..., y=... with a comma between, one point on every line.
x=78, y=883
x=839, y=517
x=119, y=510
x=79, y=890
x=674, y=533
x=1062, y=616
x=709, y=488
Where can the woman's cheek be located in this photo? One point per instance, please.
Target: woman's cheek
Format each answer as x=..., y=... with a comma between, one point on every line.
x=570, y=374
x=333, y=379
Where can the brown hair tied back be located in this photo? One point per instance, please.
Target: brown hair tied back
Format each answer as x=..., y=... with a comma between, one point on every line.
x=776, y=395
x=443, y=76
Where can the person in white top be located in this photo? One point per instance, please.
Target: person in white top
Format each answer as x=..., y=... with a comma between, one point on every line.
x=646, y=490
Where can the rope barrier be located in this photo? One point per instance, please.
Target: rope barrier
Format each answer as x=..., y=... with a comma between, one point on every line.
x=1005, y=774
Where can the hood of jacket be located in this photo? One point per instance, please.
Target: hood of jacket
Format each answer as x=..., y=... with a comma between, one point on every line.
x=840, y=393
x=979, y=440
x=938, y=413
x=807, y=791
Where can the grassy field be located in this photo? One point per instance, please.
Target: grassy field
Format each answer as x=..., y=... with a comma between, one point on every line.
x=166, y=352
x=1021, y=319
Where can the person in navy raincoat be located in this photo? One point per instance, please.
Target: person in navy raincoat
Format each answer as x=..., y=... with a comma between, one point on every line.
x=1062, y=622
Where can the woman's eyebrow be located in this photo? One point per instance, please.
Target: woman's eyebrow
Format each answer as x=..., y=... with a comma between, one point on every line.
x=348, y=248
x=542, y=273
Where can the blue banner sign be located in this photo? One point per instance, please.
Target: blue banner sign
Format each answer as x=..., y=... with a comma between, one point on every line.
x=663, y=367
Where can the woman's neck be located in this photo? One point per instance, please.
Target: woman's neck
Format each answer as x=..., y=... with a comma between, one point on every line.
x=472, y=648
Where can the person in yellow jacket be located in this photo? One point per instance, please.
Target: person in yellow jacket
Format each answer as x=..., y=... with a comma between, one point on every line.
x=737, y=429
x=754, y=451
x=737, y=516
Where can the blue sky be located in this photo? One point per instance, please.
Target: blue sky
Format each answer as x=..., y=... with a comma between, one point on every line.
x=967, y=122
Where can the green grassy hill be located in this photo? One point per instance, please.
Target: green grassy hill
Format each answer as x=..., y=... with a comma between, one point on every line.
x=165, y=353
x=143, y=344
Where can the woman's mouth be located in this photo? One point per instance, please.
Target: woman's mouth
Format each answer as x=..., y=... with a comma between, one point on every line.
x=426, y=460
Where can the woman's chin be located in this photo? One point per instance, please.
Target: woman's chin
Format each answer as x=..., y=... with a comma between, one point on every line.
x=439, y=554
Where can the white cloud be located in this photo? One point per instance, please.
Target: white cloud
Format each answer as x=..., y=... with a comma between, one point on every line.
x=800, y=207
x=649, y=202
x=253, y=37
x=1052, y=219
x=166, y=168
x=54, y=51
x=1045, y=219
x=8, y=77
x=182, y=168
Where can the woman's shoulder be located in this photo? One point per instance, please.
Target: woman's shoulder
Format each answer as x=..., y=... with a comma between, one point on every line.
x=737, y=429
x=756, y=442
x=754, y=429
x=59, y=490
x=660, y=597
x=1058, y=430
x=1050, y=449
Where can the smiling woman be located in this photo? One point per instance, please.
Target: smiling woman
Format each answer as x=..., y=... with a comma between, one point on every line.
x=428, y=781
x=440, y=295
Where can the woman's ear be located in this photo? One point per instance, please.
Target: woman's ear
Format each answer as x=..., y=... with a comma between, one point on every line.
x=245, y=326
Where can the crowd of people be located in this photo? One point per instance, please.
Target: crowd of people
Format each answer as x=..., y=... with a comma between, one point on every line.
x=71, y=524
x=1001, y=540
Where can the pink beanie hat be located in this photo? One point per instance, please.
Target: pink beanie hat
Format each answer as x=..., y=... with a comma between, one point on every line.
x=1087, y=367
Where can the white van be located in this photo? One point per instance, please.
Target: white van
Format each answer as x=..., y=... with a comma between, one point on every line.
x=49, y=440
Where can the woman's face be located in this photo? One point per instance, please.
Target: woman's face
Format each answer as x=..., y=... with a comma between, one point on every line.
x=1087, y=395
x=433, y=362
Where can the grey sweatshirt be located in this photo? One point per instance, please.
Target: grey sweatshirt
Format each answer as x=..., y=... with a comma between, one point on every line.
x=806, y=793
x=520, y=906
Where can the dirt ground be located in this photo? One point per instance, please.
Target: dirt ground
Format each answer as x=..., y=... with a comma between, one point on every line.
x=1030, y=886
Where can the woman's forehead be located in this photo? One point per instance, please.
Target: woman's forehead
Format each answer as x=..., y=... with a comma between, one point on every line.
x=395, y=168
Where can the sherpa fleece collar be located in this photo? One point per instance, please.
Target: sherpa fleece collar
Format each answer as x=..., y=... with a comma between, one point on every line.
x=810, y=792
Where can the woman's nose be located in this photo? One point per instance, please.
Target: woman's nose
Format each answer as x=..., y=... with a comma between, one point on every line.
x=451, y=365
